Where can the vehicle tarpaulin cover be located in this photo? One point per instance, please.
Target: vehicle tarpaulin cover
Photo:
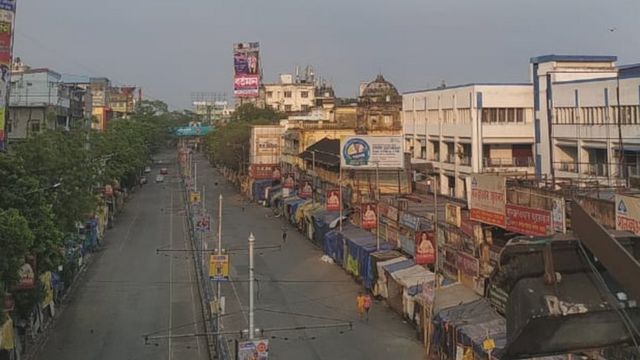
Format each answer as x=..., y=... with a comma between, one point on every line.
x=469, y=325
x=381, y=285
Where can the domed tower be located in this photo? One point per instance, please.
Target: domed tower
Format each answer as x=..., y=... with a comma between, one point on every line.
x=379, y=107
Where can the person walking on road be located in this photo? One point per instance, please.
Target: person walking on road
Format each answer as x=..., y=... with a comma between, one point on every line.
x=284, y=234
x=360, y=301
x=367, y=305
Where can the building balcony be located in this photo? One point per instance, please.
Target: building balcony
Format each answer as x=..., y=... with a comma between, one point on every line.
x=596, y=169
x=567, y=166
x=465, y=160
x=450, y=159
x=508, y=162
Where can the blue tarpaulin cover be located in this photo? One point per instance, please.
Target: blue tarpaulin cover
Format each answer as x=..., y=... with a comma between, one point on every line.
x=391, y=268
x=321, y=221
x=333, y=246
x=258, y=189
x=360, y=244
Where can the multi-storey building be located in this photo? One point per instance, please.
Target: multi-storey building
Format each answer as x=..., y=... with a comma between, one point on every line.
x=469, y=129
x=588, y=118
x=38, y=100
x=290, y=96
x=122, y=100
x=101, y=105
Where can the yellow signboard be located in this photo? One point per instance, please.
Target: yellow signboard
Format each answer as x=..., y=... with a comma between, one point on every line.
x=194, y=197
x=219, y=267
x=488, y=344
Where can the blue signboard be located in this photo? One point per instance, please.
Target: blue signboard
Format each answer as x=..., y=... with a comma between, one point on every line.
x=193, y=130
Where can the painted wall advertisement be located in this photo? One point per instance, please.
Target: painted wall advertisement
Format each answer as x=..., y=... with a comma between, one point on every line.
x=488, y=199
x=528, y=221
x=333, y=200
x=246, y=65
x=628, y=213
x=369, y=152
x=7, y=11
x=368, y=216
x=253, y=349
x=558, y=215
x=425, y=248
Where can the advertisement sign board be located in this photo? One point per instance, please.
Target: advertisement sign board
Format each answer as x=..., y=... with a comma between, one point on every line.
x=7, y=21
x=306, y=189
x=194, y=197
x=333, y=200
x=289, y=181
x=204, y=223
x=253, y=349
x=409, y=220
x=452, y=214
x=488, y=199
x=467, y=264
x=219, y=267
x=528, y=221
x=368, y=216
x=246, y=65
x=425, y=248
x=558, y=215
x=369, y=152
x=628, y=213
x=265, y=171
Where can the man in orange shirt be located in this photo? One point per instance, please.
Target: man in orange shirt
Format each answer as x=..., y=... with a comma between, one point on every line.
x=360, y=304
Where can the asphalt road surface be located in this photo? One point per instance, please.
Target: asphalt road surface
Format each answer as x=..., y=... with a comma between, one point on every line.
x=129, y=290
x=297, y=289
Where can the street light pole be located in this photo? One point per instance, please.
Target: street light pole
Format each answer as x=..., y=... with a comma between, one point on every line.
x=378, y=206
x=251, y=279
x=218, y=290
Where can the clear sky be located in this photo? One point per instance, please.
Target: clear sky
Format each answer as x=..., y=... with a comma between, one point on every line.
x=173, y=48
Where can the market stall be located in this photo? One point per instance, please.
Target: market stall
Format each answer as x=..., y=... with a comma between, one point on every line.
x=360, y=244
x=380, y=288
x=403, y=285
x=387, y=270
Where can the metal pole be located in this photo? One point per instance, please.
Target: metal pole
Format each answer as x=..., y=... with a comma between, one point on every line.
x=313, y=168
x=377, y=207
x=195, y=175
x=340, y=192
x=218, y=290
x=203, y=233
x=435, y=226
x=251, y=325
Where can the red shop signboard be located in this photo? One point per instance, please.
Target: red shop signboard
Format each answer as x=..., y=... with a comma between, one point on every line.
x=528, y=221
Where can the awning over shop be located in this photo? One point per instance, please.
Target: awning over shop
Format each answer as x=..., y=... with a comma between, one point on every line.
x=381, y=284
x=325, y=152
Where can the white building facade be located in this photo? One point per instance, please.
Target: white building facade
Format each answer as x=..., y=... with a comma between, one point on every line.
x=290, y=96
x=475, y=128
x=588, y=119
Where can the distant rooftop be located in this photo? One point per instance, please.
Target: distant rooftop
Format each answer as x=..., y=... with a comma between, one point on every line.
x=573, y=58
x=466, y=85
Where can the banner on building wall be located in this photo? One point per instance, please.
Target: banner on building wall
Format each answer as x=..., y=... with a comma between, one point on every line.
x=388, y=211
x=246, y=65
x=528, y=221
x=289, y=181
x=628, y=213
x=306, y=189
x=488, y=199
x=425, y=247
x=410, y=221
x=452, y=214
x=370, y=152
x=467, y=264
x=368, y=216
x=265, y=171
x=7, y=21
x=333, y=200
